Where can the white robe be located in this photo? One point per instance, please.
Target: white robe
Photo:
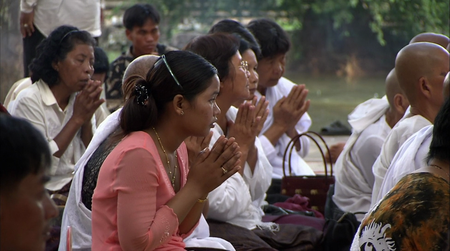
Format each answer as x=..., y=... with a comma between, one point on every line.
x=353, y=168
x=78, y=216
x=406, y=127
x=238, y=200
x=410, y=157
x=275, y=153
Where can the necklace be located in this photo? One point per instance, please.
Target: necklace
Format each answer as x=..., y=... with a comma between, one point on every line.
x=171, y=174
x=439, y=167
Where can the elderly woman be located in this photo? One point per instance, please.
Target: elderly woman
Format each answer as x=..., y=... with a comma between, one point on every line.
x=238, y=200
x=62, y=100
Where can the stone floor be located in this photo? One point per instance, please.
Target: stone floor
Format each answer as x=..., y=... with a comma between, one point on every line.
x=314, y=158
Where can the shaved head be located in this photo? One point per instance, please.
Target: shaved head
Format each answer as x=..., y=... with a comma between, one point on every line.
x=420, y=63
x=431, y=37
x=137, y=68
x=392, y=87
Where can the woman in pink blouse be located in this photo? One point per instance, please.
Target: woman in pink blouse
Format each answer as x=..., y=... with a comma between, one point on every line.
x=146, y=197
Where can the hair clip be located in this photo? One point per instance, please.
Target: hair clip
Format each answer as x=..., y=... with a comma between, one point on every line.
x=141, y=93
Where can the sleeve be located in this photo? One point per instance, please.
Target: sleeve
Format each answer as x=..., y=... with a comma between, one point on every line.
x=114, y=81
x=230, y=199
x=28, y=107
x=141, y=225
x=259, y=181
x=367, y=154
x=302, y=126
x=27, y=6
x=269, y=149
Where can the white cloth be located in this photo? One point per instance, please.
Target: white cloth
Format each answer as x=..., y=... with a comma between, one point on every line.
x=50, y=14
x=238, y=200
x=78, y=216
x=275, y=153
x=406, y=127
x=15, y=89
x=353, y=168
x=38, y=105
x=410, y=157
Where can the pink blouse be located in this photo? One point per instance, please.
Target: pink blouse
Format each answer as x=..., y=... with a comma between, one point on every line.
x=128, y=206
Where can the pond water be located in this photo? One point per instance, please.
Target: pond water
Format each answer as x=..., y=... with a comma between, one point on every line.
x=333, y=98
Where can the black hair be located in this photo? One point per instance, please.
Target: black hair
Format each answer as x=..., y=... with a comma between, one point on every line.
x=193, y=73
x=247, y=40
x=138, y=14
x=101, y=63
x=54, y=49
x=272, y=39
x=440, y=144
x=218, y=49
x=24, y=151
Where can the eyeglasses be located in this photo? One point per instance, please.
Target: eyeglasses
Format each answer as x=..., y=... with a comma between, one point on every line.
x=244, y=65
x=170, y=71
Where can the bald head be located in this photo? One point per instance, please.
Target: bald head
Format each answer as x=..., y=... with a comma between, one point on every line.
x=137, y=68
x=420, y=63
x=392, y=87
x=431, y=37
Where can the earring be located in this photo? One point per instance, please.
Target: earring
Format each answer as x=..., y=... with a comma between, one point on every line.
x=182, y=113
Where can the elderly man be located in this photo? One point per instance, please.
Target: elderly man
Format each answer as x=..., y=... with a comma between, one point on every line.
x=371, y=122
x=421, y=69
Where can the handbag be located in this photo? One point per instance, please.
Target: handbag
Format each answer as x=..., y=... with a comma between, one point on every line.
x=313, y=187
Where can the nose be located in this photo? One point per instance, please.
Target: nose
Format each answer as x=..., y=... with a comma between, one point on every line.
x=278, y=68
x=254, y=78
x=88, y=68
x=150, y=37
x=50, y=209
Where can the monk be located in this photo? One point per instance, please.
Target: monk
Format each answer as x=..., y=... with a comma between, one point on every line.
x=371, y=122
x=412, y=155
x=421, y=69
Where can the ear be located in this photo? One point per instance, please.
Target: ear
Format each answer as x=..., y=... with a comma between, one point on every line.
x=179, y=103
x=401, y=103
x=425, y=87
x=55, y=65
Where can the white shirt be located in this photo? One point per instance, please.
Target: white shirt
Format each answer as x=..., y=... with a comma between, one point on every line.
x=353, y=168
x=275, y=152
x=79, y=218
x=410, y=157
x=406, y=127
x=238, y=200
x=38, y=105
x=50, y=14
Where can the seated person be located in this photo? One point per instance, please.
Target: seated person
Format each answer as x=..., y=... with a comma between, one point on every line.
x=415, y=214
x=101, y=69
x=25, y=206
x=238, y=200
x=288, y=106
x=141, y=23
x=147, y=197
x=371, y=122
x=62, y=100
x=412, y=155
x=78, y=208
x=420, y=69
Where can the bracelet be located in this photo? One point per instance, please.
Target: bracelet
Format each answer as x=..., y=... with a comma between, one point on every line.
x=202, y=200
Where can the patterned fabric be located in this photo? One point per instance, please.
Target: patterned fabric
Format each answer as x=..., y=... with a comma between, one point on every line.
x=92, y=169
x=414, y=215
x=114, y=95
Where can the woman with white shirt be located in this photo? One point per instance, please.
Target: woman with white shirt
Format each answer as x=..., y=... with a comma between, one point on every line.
x=239, y=199
x=62, y=100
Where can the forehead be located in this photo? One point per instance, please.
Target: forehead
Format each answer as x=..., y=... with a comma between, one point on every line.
x=82, y=49
x=148, y=25
x=213, y=88
x=273, y=58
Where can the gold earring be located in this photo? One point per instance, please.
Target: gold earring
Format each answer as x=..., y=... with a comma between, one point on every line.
x=182, y=113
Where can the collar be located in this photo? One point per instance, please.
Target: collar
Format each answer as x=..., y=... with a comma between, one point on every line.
x=46, y=94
